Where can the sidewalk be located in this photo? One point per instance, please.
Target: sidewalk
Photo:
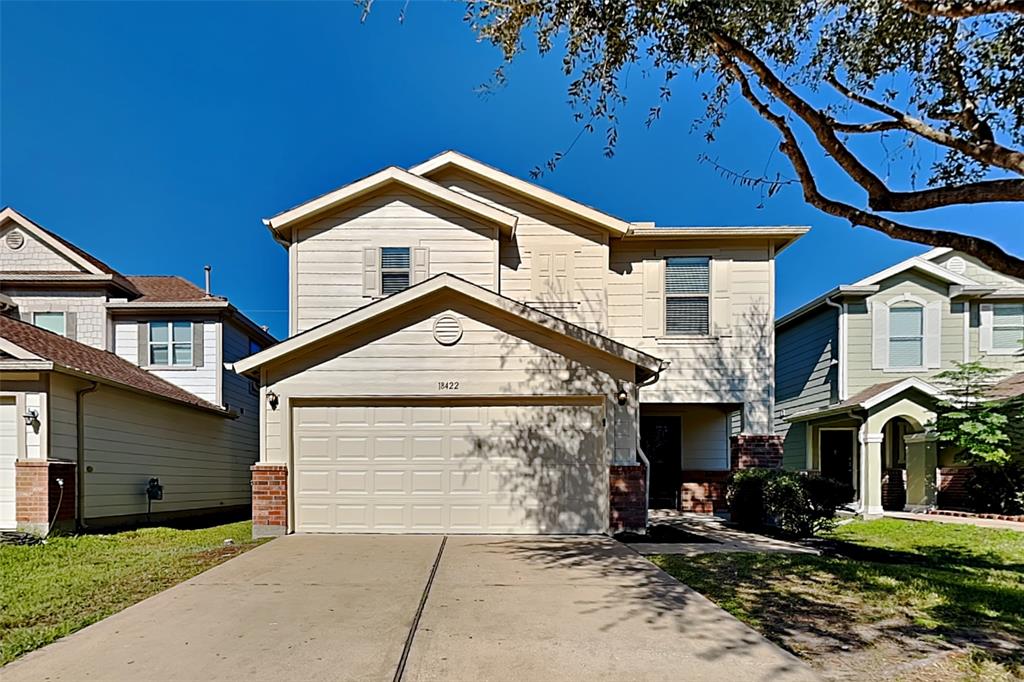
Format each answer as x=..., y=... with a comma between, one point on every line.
x=962, y=520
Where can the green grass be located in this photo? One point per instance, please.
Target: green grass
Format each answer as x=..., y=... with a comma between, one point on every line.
x=48, y=591
x=900, y=585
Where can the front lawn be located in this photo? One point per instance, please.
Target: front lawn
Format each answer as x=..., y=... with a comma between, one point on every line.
x=890, y=600
x=49, y=591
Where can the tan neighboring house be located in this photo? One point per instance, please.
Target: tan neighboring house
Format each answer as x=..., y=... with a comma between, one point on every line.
x=855, y=368
x=472, y=353
x=108, y=381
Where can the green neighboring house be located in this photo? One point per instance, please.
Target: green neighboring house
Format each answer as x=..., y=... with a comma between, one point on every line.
x=855, y=367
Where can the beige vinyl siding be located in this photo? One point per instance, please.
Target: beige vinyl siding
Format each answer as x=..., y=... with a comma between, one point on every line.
x=980, y=272
x=860, y=333
x=328, y=258
x=806, y=377
x=705, y=438
x=541, y=231
x=733, y=368
x=200, y=381
x=130, y=438
x=33, y=256
x=494, y=359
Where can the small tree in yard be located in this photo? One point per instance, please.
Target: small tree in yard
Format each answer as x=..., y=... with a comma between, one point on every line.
x=970, y=419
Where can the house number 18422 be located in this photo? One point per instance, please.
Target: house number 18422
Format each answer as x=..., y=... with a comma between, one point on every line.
x=447, y=385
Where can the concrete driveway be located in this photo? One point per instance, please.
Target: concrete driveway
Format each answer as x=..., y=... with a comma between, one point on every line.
x=377, y=607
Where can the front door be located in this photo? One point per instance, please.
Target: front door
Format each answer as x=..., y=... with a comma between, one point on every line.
x=661, y=440
x=837, y=455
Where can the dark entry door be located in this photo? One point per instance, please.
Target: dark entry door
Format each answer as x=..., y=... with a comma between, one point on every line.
x=662, y=441
x=837, y=455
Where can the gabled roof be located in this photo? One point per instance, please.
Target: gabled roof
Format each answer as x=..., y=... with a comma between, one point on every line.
x=448, y=283
x=870, y=397
x=28, y=343
x=453, y=159
x=388, y=177
x=922, y=264
x=168, y=289
x=88, y=263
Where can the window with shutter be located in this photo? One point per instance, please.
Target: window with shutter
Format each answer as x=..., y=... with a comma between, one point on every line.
x=170, y=344
x=395, y=272
x=687, y=296
x=1007, y=326
x=906, y=336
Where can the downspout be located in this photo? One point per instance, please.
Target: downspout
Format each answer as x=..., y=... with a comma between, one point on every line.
x=80, y=453
x=841, y=388
x=653, y=379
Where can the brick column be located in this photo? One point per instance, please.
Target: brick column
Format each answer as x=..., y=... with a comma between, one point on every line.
x=40, y=499
x=627, y=497
x=761, y=451
x=269, y=500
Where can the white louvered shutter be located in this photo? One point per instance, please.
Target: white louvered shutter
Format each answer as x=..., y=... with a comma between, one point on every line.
x=933, y=335
x=654, y=297
x=371, y=271
x=879, y=335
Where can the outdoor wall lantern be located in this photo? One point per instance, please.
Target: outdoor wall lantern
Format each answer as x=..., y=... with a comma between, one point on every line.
x=31, y=418
x=622, y=397
x=272, y=400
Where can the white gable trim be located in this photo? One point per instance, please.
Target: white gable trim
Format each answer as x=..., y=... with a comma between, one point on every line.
x=16, y=351
x=449, y=282
x=384, y=178
x=453, y=159
x=43, y=236
x=918, y=263
x=906, y=384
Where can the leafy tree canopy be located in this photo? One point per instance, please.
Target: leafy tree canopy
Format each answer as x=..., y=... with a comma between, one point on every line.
x=822, y=72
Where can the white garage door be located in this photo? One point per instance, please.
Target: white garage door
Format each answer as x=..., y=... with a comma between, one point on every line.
x=450, y=469
x=8, y=453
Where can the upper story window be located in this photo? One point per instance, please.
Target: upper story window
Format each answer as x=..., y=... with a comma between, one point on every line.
x=1007, y=326
x=395, y=270
x=906, y=336
x=55, y=322
x=170, y=344
x=687, y=296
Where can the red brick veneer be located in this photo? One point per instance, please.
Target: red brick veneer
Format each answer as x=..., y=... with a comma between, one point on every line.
x=627, y=497
x=269, y=500
x=750, y=451
x=952, y=492
x=38, y=494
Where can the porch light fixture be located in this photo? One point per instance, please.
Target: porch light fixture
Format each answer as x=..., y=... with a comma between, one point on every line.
x=272, y=400
x=31, y=417
x=622, y=397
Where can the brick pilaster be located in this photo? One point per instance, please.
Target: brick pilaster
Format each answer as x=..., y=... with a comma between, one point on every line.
x=269, y=500
x=756, y=451
x=40, y=497
x=627, y=497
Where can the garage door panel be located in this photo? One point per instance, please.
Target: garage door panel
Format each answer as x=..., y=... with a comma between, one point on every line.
x=463, y=469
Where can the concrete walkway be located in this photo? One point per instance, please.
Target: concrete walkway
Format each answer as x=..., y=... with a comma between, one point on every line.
x=349, y=608
x=726, y=538
x=961, y=520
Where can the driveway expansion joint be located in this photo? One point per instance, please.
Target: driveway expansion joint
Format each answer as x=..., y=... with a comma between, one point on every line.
x=400, y=670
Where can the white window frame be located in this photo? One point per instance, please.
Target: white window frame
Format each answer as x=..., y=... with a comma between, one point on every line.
x=922, y=337
x=997, y=350
x=666, y=295
x=63, y=316
x=170, y=343
x=383, y=270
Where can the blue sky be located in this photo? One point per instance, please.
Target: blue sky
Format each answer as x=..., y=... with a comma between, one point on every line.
x=156, y=136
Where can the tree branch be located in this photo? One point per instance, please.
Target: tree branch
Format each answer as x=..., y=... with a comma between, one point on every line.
x=985, y=250
x=965, y=8
x=875, y=127
x=986, y=151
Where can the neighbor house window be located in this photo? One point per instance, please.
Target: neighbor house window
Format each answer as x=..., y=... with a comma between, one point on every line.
x=170, y=344
x=1007, y=326
x=906, y=336
x=54, y=322
x=687, y=296
x=394, y=270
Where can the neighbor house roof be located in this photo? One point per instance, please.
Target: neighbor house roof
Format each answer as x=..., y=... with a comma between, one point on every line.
x=90, y=264
x=448, y=283
x=870, y=397
x=385, y=178
x=1010, y=387
x=168, y=289
x=33, y=347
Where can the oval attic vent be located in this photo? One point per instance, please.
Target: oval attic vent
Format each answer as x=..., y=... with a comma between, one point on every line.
x=15, y=239
x=956, y=264
x=447, y=330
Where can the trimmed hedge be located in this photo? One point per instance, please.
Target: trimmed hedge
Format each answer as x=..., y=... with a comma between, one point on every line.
x=798, y=505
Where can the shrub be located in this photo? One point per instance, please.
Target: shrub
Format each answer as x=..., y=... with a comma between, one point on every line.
x=797, y=504
x=997, y=489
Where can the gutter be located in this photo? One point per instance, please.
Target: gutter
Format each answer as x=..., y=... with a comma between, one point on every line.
x=80, y=453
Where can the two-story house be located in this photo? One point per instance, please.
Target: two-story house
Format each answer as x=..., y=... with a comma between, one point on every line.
x=855, y=374
x=108, y=381
x=470, y=352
